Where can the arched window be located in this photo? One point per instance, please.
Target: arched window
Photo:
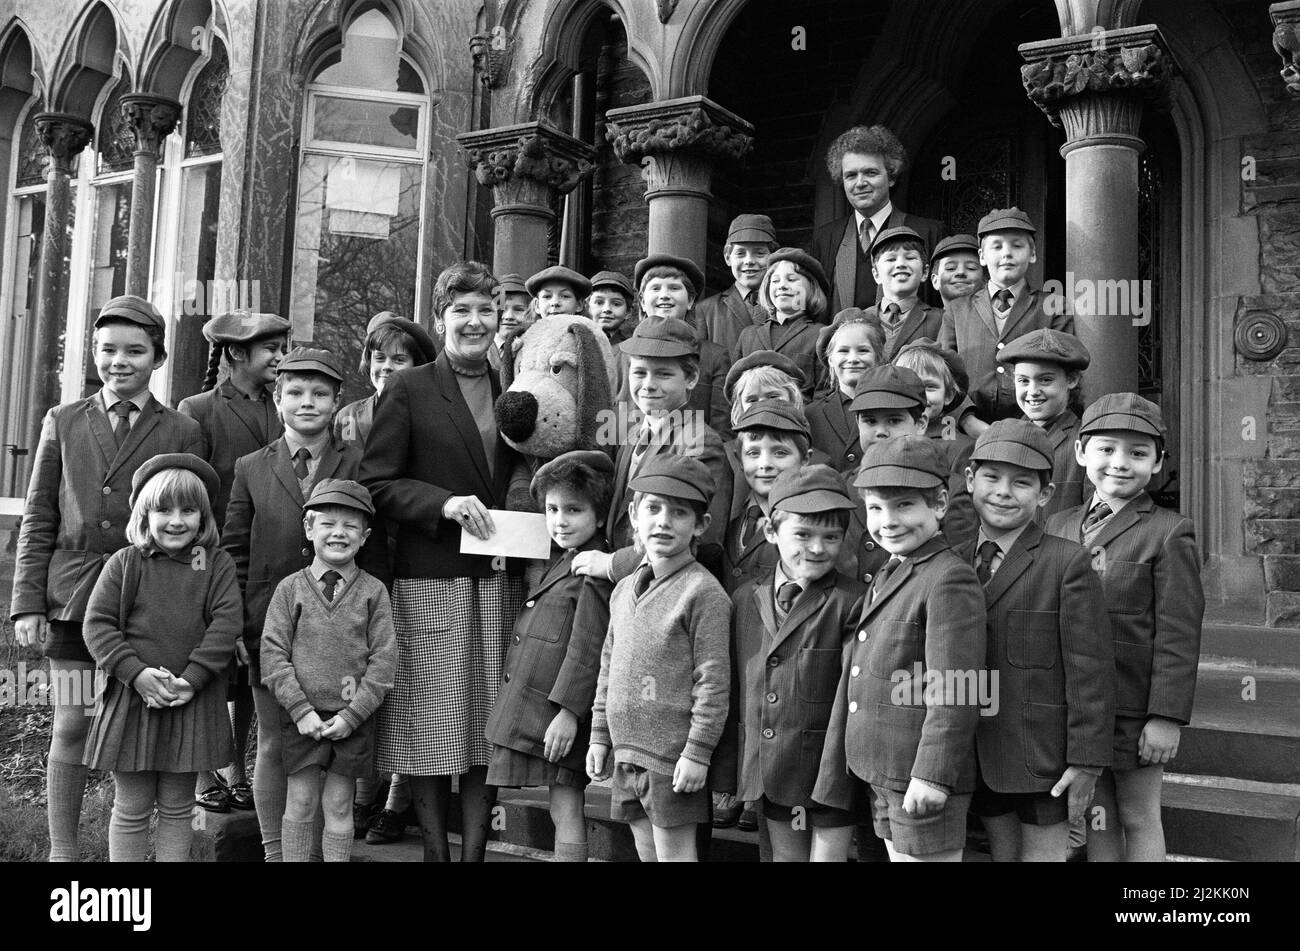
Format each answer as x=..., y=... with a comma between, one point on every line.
x=357, y=247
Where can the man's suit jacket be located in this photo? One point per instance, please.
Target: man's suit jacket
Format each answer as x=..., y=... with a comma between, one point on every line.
x=928, y=616
x=922, y=321
x=554, y=661
x=424, y=448
x=1151, y=576
x=264, y=530
x=825, y=247
x=970, y=328
x=232, y=426
x=798, y=660
x=1049, y=641
x=798, y=342
x=78, y=500
x=723, y=316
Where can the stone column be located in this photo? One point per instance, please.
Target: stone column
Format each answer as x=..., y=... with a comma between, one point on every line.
x=677, y=143
x=151, y=119
x=525, y=165
x=1095, y=87
x=64, y=137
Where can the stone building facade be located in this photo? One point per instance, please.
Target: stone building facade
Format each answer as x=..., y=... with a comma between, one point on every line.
x=325, y=158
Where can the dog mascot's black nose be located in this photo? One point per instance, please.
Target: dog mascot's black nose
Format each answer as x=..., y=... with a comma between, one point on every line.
x=516, y=415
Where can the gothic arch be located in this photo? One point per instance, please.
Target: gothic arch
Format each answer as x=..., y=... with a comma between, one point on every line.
x=95, y=54
x=324, y=26
x=180, y=37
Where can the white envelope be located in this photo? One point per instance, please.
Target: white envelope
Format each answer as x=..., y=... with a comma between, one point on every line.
x=517, y=535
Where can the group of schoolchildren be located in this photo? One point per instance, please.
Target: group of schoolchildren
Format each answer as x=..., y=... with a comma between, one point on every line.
x=859, y=577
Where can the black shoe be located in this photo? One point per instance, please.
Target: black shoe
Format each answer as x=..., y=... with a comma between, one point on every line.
x=726, y=810
x=386, y=828
x=362, y=815
x=748, y=821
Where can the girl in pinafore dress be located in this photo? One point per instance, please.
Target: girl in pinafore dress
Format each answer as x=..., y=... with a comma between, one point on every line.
x=162, y=624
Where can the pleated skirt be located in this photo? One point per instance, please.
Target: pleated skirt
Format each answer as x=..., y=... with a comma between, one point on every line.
x=127, y=736
x=452, y=638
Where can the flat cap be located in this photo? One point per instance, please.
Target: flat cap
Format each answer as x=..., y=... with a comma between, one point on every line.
x=954, y=243
x=310, y=360
x=662, y=337
x=511, y=284
x=1003, y=219
x=596, y=461
x=911, y=462
x=135, y=309
x=680, y=477
x=1047, y=346
x=344, y=492
x=898, y=233
x=175, y=460
x=956, y=365
x=242, y=326
x=805, y=261
x=1123, y=411
x=888, y=387
x=614, y=279
x=1015, y=441
x=762, y=358
x=774, y=414
x=581, y=286
x=809, y=489
x=685, y=265
x=426, y=349
x=757, y=228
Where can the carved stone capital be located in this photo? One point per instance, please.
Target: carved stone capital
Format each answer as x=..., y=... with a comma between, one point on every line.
x=692, y=124
x=151, y=119
x=64, y=136
x=491, y=52
x=1286, y=40
x=524, y=163
x=1133, y=63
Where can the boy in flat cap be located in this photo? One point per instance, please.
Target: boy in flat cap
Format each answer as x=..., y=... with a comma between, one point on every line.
x=751, y=239
x=980, y=325
x=955, y=269
x=1048, y=369
x=76, y=516
x=541, y=722
x=899, y=266
x=1048, y=641
x=793, y=291
x=329, y=656
x=236, y=416
x=903, y=724
x=558, y=290
x=789, y=625
x=662, y=695
x=1150, y=572
x=612, y=305
x=263, y=533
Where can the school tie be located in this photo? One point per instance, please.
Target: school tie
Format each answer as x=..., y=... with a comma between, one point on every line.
x=893, y=313
x=1096, y=515
x=749, y=527
x=752, y=298
x=1002, y=302
x=883, y=574
x=865, y=233
x=988, y=551
x=122, y=409
x=641, y=584
x=330, y=579
x=786, y=595
x=300, y=463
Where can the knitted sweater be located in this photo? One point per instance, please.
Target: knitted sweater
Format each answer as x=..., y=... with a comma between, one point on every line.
x=321, y=655
x=665, y=670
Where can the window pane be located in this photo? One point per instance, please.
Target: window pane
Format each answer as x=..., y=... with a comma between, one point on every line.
x=203, y=113
x=356, y=248
x=366, y=123
x=108, y=261
x=370, y=55
x=197, y=297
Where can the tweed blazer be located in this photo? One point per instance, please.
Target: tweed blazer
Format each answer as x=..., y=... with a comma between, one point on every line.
x=1049, y=640
x=1151, y=575
x=922, y=321
x=78, y=500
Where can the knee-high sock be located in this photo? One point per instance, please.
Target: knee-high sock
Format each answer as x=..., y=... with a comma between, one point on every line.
x=295, y=839
x=65, y=787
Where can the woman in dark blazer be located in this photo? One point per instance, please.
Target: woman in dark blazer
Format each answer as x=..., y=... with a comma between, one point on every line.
x=436, y=466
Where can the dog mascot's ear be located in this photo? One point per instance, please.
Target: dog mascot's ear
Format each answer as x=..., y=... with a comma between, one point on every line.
x=594, y=396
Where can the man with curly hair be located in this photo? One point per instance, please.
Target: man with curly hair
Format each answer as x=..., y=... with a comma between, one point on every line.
x=867, y=162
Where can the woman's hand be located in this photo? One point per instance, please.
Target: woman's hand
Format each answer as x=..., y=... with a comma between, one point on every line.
x=30, y=630
x=154, y=685
x=470, y=514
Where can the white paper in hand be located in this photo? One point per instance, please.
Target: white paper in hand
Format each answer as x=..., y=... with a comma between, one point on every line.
x=517, y=535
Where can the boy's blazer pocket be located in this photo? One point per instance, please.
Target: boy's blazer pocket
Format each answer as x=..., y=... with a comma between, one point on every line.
x=898, y=737
x=895, y=645
x=1133, y=678
x=1033, y=639
x=548, y=621
x=1129, y=587
x=818, y=675
x=1044, y=731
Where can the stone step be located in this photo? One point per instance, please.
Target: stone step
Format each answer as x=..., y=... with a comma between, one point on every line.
x=1245, y=724
x=1250, y=643
x=1215, y=817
